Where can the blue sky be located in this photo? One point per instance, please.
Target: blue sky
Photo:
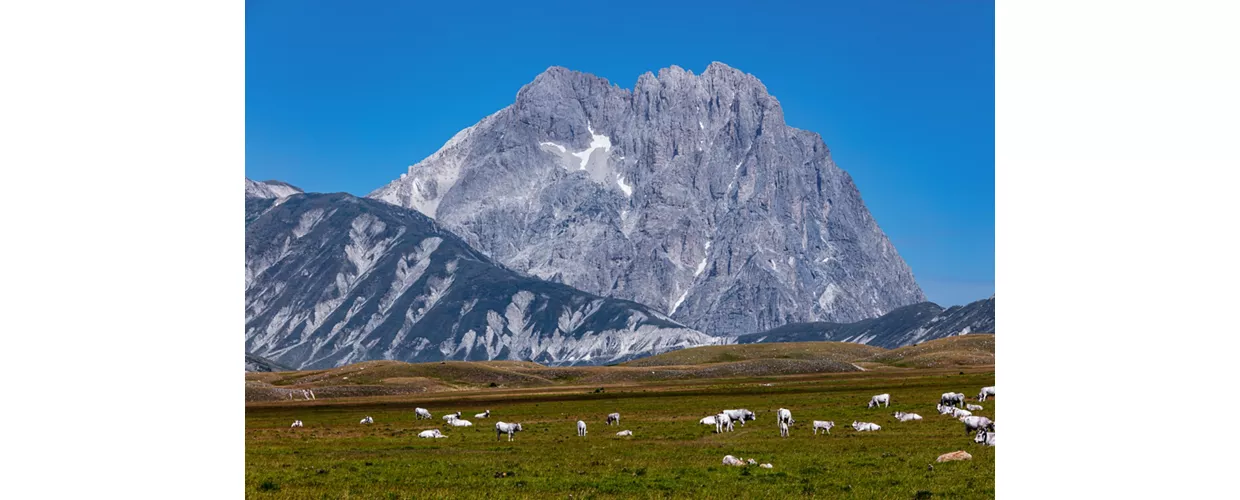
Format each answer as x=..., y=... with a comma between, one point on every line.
x=343, y=96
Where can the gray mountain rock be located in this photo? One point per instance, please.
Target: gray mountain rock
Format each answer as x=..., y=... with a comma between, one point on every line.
x=904, y=326
x=269, y=189
x=260, y=364
x=688, y=193
x=333, y=279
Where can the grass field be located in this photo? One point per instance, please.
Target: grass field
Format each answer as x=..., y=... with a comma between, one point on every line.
x=669, y=456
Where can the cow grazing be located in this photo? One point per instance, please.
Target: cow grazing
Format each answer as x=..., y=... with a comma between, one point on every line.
x=723, y=423
x=865, y=426
x=952, y=399
x=785, y=416
x=624, y=433
x=459, y=422
x=421, y=413
x=740, y=415
x=984, y=437
x=484, y=414
x=368, y=420
x=972, y=423
x=581, y=428
x=502, y=428
x=613, y=418
x=433, y=433
x=906, y=417
x=825, y=425
x=973, y=407
x=452, y=416
x=986, y=392
x=881, y=399
x=297, y=423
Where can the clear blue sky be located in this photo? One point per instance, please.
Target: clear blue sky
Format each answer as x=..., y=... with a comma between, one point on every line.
x=343, y=96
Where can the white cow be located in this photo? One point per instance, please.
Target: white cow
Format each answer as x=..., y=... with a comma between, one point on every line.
x=766, y=466
x=974, y=423
x=825, y=425
x=613, y=418
x=952, y=399
x=785, y=416
x=740, y=415
x=502, y=428
x=368, y=420
x=986, y=393
x=624, y=433
x=865, y=426
x=723, y=423
x=731, y=460
x=433, y=433
x=906, y=417
x=946, y=410
x=484, y=414
x=708, y=420
x=452, y=416
x=973, y=407
x=958, y=413
x=783, y=429
x=581, y=428
x=881, y=399
x=460, y=422
x=297, y=423
x=984, y=437
x=421, y=413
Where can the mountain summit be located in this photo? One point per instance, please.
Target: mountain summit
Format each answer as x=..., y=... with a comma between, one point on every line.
x=269, y=189
x=688, y=193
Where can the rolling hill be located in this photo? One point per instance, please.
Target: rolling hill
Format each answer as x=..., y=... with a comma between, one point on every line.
x=379, y=378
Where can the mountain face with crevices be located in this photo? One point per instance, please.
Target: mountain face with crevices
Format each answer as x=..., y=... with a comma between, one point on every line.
x=688, y=193
x=333, y=279
x=904, y=326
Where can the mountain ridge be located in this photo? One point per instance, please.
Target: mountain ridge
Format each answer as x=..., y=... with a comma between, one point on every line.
x=908, y=325
x=333, y=279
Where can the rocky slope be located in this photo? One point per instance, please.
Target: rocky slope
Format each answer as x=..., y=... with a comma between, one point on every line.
x=904, y=326
x=687, y=193
x=269, y=189
x=333, y=279
x=260, y=364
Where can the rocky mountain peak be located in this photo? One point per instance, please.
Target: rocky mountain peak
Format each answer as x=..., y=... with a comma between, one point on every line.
x=688, y=193
x=269, y=189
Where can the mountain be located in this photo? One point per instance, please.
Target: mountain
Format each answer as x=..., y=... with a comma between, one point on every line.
x=687, y=193
x=333, y=279
x=904, y=326
x=269, y=189
x=260, y=364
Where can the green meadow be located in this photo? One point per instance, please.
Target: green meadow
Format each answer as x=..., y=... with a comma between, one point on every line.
x=670, y=454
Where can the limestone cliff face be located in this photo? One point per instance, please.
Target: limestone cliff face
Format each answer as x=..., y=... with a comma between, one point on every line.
x=688, y=194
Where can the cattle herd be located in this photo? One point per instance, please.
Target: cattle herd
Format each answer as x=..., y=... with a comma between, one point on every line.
x=951, y=404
